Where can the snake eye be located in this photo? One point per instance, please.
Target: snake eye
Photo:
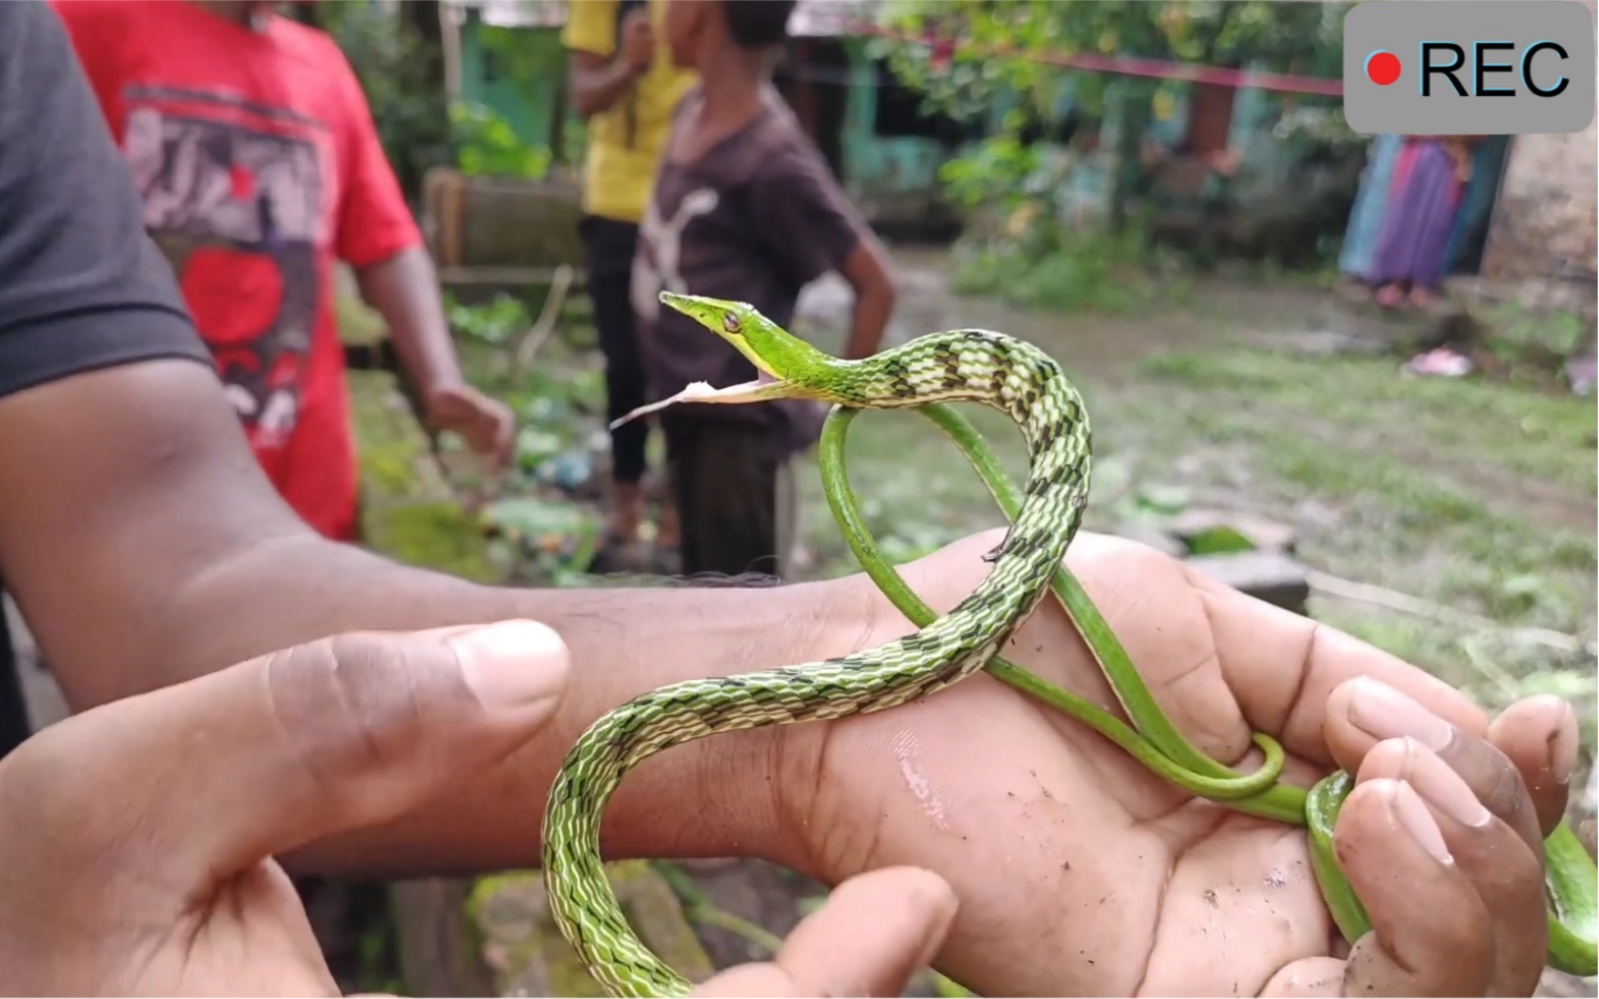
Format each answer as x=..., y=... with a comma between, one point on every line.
x=731, y=324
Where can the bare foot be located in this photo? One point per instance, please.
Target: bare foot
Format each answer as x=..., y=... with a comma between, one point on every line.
x=626, y=511
x=668, y=529
x=1390, y=296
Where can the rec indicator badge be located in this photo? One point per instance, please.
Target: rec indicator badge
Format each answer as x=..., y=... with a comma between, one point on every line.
x=1468, y=67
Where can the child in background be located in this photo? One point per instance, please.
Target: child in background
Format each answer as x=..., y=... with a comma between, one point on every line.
x=744, y=208
x=625, y=87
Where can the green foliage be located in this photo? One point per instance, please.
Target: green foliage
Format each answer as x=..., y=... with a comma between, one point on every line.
x=494, y=322
x=1286, y=37
x=532, y=60
x=998, y=175
x=535, y=63
x=1219, y=540
x=487, y=145
x=1013, y=50
x=1063, y=269
x=395, y=68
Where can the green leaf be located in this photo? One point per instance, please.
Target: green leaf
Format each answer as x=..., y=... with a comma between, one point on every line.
x=1220, y=540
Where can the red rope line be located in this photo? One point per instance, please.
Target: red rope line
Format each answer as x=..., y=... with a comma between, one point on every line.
x=1159, y=69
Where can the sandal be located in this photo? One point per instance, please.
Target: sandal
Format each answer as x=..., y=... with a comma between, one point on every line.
x=1444, y=362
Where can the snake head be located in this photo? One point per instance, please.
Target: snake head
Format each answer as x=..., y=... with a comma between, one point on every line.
x=786, y=366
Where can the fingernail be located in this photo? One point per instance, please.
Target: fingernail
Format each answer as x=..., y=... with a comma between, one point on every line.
x=1563, y=748
x=512, y=662
x=1412, y=816
x=1384, y=713
x=1435, y=781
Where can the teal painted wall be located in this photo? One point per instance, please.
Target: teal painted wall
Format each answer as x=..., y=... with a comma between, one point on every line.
x=881, y=165
x=526, y=105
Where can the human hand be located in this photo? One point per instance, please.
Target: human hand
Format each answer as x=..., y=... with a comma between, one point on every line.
x=874, y=932
x=1079, y=872
x=487, y=425
x=136, y=839
x=637, y=43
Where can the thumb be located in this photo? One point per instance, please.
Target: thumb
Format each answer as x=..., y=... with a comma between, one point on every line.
x=208, y=777
x=874, y=932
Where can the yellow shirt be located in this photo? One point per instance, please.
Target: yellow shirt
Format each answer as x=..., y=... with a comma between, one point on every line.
x=617, y=176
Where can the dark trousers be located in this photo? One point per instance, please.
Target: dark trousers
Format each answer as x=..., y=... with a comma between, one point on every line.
x=725, y=480
x=15, y=725
x=608, y=258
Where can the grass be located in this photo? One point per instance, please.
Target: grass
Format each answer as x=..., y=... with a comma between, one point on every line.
x=1473, y=495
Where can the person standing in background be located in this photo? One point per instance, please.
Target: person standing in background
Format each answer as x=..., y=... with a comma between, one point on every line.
x=1358, y=256
x=1429, y=177
x=258, y=164
x=625, y=86
x=744, y=208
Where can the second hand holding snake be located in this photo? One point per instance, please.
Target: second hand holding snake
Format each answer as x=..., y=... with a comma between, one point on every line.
x=928, y=373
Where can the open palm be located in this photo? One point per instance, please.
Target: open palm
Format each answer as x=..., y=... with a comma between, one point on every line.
x=1078, y=872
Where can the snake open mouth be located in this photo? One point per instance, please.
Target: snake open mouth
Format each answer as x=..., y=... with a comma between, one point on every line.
x=765, y=386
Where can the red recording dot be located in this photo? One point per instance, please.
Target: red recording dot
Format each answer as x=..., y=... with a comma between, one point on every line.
x=1382, y=67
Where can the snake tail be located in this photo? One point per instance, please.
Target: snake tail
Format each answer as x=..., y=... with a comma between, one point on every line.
x=1573, y=891
x=957, y=366
x=1571, y=882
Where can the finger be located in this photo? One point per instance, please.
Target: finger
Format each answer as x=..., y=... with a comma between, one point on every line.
x=1539, y=735
x=205, y=778
x=1308, y=976
x=1364, y=712
x=505, y=435
x=1431, y=934
x=1282, y=667
x=875, y=931
x=1503, y=869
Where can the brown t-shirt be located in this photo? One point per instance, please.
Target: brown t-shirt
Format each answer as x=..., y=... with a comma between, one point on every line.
x=754, y=220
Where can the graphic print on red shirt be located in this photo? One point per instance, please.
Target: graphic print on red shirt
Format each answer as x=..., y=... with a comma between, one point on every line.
x=234, y=200
x=257, y=162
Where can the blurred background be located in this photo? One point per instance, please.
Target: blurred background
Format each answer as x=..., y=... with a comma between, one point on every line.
x=1162, y=194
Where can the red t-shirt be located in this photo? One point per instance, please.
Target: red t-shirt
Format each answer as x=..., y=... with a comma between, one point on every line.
x=258, y=164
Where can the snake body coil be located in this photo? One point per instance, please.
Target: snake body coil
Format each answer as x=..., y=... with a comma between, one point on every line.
x=1010, y=375
x=959, y=366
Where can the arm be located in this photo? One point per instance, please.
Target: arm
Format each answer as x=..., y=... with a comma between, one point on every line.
x=597, y=82
x=197, y=564
x=603, y=67
x=809, y=228
x=379, y=237
x=404, y=289
x=866, y=270
x=145, y=546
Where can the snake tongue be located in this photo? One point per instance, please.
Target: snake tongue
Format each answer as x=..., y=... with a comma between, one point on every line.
x=764, y=387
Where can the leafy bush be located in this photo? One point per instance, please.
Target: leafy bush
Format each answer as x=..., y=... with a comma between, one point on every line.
x=487, y=145
x=494, y=322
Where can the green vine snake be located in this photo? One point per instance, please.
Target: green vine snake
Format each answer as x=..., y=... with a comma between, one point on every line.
x=927, y=374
